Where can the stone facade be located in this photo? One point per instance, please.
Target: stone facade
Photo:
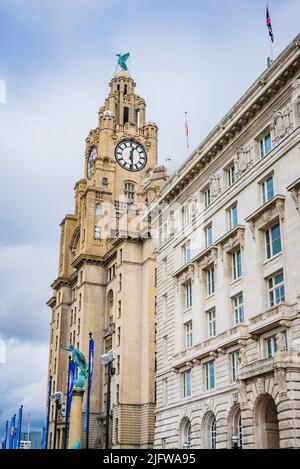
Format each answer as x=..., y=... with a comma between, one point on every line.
x=105, y=283
x=228, y=296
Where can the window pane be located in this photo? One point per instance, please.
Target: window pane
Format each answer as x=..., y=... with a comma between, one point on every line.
x=276, y=241
x=268, y=143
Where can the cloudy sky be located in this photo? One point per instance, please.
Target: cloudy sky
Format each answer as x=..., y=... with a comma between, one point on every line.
x=57, y=57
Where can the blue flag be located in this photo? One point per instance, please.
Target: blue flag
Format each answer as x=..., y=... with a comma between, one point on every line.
x=18, y=431
x=72, y=371
x=12, y=432
x=46, y=425
x=4, y=442
x=90, y=378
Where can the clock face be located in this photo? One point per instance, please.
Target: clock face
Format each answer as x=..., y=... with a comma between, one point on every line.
x=131, y=155
x=93, y=154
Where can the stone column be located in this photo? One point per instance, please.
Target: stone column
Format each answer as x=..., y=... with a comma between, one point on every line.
x=76, y=417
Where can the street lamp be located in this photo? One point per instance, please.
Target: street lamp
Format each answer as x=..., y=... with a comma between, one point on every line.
x=56, y=397
x=107, y=359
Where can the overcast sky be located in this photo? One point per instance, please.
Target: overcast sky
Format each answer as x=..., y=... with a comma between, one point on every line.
x=57, y=57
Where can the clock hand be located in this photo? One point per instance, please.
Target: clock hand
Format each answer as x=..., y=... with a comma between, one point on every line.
x=131, y=157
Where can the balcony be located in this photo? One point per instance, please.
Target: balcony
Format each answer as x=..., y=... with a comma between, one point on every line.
x=280, y=315
x=212, y=346
x=233, y=239
x=266, y=365
x=266, y=214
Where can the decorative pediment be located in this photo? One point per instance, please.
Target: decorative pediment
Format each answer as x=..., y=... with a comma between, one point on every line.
x=233, y=239
x=266, y=214
x=187, y=275
x=207, y=258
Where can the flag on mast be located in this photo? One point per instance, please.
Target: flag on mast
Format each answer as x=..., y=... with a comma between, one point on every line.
x=187, y=131
x=269, y=24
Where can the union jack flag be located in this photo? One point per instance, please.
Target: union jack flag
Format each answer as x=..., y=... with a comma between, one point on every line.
x=269, y=25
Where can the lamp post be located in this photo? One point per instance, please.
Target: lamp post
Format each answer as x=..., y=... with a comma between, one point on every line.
x=56, y=397
x=107, y=359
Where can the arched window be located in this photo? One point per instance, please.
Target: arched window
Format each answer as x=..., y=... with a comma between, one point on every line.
x=186, y=433
x=213, y=434
x=98, y=210
x=240, y=429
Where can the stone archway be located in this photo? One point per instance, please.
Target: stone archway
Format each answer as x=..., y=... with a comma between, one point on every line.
x=266, y=423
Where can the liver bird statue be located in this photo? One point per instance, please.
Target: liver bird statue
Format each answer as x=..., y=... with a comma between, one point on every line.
x=122, y=60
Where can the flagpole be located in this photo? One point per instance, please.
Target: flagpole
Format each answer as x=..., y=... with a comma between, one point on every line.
x=88, y=397
x=67, y=408
x=20, y=425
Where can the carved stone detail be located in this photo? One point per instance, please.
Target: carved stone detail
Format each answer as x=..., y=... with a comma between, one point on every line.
x=280, y=378
x=234, y=241
x=282, y=123
x=243, y=359
x=244, y=159
x=188, y=274
x=261, y=385
x=209, y=259
x=215, y=185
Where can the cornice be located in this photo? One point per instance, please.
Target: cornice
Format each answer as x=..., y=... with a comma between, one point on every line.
x=52, y=302
x=86, y=259
x=60, y=282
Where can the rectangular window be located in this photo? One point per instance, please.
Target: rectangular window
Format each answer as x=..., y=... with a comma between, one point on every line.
x=208, y=236
x=188, y=296
x=238, y=308
x=98, y=210
x=104, y=181
x=267, y=189
x=118, y=394
x=165, y=307
x=232, y=217
x=119, y=337
x=276, y=289
x=97, y=232
x=117, y=430
x=207, y=198
x=165, y=269
x=188, y=334
x=210, y=375
x=265, y=145
x=185, y=215
x=165, y=390
x=211, y=281
x=119, y=308
x=120, y=282
x=118, y=364
x=187, y=384
x=129, y=192
x=186, y=249
x=165, y=348
x=231, y=176
x=236, y=265
x=211, y=323
x=234, y=365
x=273, y=241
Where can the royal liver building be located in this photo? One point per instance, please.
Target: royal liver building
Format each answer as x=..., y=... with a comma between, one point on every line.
x=228, y=299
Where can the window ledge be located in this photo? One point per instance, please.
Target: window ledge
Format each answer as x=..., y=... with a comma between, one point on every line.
x=208, y=257
x=272, y=259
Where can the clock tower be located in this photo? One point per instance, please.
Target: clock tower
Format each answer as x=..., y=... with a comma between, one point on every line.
x=106, y=275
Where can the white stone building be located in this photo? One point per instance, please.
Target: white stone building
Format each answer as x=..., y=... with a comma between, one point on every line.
x=228, y=277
